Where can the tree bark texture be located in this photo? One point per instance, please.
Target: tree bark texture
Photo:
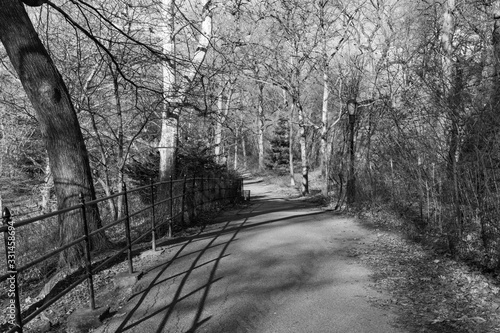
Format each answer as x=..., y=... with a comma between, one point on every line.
x=290, y=138
x=175, y=92
x=326, y=93
x=121, y=146
x=219, y=118
x=244, y=152
x=451, y=92
x=304, y=189
x=167, y=145
x=261, y=125
x=324, y=131
x=58, y=123
x=496, y=54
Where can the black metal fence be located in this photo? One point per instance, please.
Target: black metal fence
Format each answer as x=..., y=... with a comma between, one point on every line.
x=164, y=205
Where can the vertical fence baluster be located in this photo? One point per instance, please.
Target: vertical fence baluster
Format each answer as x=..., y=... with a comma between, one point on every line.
x=231, y=185
x=201, y=191
x=209, y=192
x=241, y=189
x=183, y=199
x=222, y=190
x=219, y=190
x=171, y=221
x=88, y=259
x=153, y=217
x=193, y=196
x=10, y=254
x=127, y=229
x=233, y=190
x=214, y=191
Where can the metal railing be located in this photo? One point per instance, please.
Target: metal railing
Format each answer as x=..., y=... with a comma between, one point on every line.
x=202, y=191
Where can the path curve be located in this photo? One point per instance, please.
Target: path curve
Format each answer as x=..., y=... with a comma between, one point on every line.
x=278, y=265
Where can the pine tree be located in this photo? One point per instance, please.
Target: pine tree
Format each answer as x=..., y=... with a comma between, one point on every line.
x=278, y=154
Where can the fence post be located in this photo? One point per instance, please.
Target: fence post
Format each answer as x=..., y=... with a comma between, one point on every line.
x=222, y=194
x=233, y=190
x=12, y=280
x=201, y=192
x=213, y=191
x=153, y=217
x=88, y=259
x=209, y=192
x=217, y=189
x=193, y=196
x=183, y=199
x=241, y=189
x=127, y=229
x=171, y=221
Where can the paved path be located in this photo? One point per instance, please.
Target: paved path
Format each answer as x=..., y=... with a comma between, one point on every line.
x=276, y=266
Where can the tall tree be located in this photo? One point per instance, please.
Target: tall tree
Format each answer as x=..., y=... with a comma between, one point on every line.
x=177, y=84
x=69, y=161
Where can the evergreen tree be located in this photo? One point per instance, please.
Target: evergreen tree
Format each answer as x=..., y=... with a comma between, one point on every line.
x=278, y=154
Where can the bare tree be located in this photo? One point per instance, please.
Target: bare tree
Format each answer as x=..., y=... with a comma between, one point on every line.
x=177, y=85
x=56, y=116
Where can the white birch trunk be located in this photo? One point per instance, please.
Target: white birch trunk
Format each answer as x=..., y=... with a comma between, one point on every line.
x=174, y=93
x=290, y=137
x=324, y=125
x=244, y=153
x=222, y=112
x=260, y=129
x=304, y=189
x=290, y=147
x=169, y=120
x=218, y=128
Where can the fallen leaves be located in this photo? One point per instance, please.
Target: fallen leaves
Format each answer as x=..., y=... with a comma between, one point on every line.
x=432, y=293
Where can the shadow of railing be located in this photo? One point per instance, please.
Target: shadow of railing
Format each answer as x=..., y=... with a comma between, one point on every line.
x=202, y=192
x=160, y=314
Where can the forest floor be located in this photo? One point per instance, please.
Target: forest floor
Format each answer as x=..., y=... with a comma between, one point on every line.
x=430, y=292
x=282, y=264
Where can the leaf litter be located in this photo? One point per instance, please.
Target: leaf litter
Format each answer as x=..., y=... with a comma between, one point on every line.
x=431, y=292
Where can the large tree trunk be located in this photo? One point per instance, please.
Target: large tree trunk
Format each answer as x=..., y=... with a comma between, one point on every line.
x=496, y=54
x=175, y=92
x=221, y=116
x=290, y=139
x=486, y=152
x=121, y=146
x=451, y=91
x=219, y=119
x=326, y=93
x=260, y=127
x=235, y=164
x=324, y=131
x=167, y=146
x=58, y=123
x=244, y=152
x=304, y=189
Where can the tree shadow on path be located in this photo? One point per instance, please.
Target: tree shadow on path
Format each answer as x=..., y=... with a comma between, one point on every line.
x=230, y=229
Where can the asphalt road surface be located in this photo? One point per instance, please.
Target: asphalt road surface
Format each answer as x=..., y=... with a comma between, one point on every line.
x=278, y=265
